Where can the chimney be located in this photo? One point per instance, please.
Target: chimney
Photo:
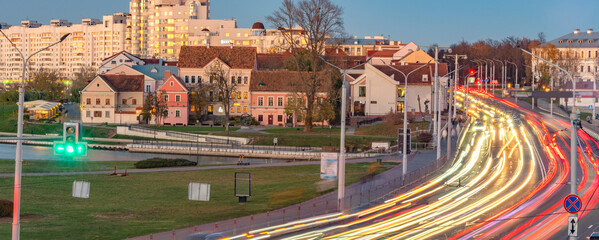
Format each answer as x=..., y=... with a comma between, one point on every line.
x=167, y=75
x=576, y=31
x=589, y=31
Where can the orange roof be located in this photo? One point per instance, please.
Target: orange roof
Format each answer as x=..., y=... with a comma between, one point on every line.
x=200, y=56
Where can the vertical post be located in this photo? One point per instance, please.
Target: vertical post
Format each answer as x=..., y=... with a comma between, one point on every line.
x=594, y=98
x=438, y=114
x=404, y=162
x=486, y=76
x=435, y=102
x=16, y=216
x=551, y=99
x=451, y=105
x=341, y=166
x=573, y=151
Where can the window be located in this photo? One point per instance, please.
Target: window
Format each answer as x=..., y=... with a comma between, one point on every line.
x=87, y=114
x=97, y=114
x=172, y=83
x=362, y=91
x=97, y=101
x=260, y=101
x=199, y=79
x=166, y=97
x=560, y=41
x=233, y=95
x=107, y=114
x=425, y=77
x=271, y=101
x=210, y=109
x=124, y=101
x=245, y=80
x=279, y=101
x=233, y=80
x=581, y=68
x=134, y=101
x=245, y=109
x=589, y=69
x=238, y=95
x=589, y=55
x=279, y=118
x=232, y=109
x=177, y=98
x=238, y=109
x=193, y=79
x=260, y=118
x=239, y=80
x=148, y=88
x=186, y=79
x=177, y=113
x=245, y=95
x=88, y=101
x=107, y=101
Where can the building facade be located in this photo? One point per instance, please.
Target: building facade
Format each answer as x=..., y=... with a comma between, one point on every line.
x=113, y=99
x=175, y=96
x=89, y=43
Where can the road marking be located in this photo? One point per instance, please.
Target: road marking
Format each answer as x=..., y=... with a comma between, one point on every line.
x=590, y=226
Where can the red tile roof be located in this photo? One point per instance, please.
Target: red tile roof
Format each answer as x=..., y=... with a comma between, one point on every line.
x=272, y=61
x=125, y=83
x=285, y=81
x=335, y=52
x=345, y=62
x=382, y=53
x=416, y=77
x=200, y=56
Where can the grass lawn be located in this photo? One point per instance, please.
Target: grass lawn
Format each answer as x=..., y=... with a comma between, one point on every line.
x=8, y=166
x=389, y=130
x=144, y=203
x=194, y=128
x=315, y=130
x=313, y=140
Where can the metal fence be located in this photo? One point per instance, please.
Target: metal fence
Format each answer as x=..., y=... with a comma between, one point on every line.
x=367, y=193
x=231, y=145
x=181, y=135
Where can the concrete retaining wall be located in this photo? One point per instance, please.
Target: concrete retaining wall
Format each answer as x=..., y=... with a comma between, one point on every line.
x=169, y=135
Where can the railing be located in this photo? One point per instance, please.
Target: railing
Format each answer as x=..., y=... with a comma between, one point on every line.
x=369, y=192
x=230, y=145
x=369, y=121
x=181, y=135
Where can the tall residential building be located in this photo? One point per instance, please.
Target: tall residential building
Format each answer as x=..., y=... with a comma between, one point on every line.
x=158, y=28
x=89, y=43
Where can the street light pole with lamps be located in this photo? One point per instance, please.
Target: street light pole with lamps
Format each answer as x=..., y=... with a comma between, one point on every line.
x=341, y=162
x=19, y=150
x=449, y=119
x=405, y=117
x=573, y=129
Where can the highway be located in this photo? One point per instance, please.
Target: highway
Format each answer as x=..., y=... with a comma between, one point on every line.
x=507, y=181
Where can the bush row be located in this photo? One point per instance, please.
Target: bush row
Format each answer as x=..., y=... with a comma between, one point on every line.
x=163, y=162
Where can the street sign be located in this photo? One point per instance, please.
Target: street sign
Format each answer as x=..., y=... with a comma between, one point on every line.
x=328, y=165
x=471, y=79
x=590, y=106
x=572, y=226
x=400, y=140
x=572, y=203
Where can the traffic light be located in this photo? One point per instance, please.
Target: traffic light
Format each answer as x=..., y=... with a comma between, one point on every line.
x=471, y=72
x=70, y=146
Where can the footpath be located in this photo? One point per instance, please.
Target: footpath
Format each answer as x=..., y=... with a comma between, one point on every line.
x=358, y=196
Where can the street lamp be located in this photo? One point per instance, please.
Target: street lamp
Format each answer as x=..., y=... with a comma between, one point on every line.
x=502, y=76
x=405, y=117
x=573, y=128
x=449, y=118
x=19, y=151
x=341, y=165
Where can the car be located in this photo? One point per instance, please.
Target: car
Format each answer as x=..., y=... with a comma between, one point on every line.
x=594, y=236
x=204, y=236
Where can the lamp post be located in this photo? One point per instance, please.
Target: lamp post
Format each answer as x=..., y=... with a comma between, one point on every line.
x=405, y=117
x=516, y=79
x=502, y=75
x=19, y=150
x=487, y=75
x=456, y=57
x=573, y=129
x=341, y=165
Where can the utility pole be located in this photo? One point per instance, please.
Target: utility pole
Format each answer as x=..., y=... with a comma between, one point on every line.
x=456, y=58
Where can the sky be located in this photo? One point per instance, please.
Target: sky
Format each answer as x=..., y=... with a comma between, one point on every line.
x=424, y=22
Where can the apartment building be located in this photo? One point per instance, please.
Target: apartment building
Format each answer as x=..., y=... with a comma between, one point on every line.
x=89, y=43
x=158, y=28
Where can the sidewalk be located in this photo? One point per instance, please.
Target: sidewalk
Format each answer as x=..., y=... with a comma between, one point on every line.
x=357, y=196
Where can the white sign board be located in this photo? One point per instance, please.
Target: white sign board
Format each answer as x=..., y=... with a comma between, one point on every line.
x=199, y=192
x=572, y=226
x=328, y=165
x=80, y=189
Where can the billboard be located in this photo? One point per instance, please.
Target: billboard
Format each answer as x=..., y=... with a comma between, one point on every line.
x=328, y=165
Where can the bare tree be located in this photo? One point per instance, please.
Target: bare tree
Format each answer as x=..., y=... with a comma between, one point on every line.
x=320, y=20
x=225, y=86
x=199, y=98
x=160, y=110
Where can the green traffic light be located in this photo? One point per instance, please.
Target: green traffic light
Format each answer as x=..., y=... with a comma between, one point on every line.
x=70, y=149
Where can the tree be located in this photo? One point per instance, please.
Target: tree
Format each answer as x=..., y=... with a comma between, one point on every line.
x=160, y=110
x=79, y=81
x=296, y=106
x=199, y=98
x=320, y=20
x=47, y=82
x=148, y=107
x=325, y=111
x=225, y=86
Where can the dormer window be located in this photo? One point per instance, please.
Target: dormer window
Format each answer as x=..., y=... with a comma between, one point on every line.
x=560, y=41
x=425, y=77
x=569, y=41
x=154, y=70
x=579, y=41
x=590, y=41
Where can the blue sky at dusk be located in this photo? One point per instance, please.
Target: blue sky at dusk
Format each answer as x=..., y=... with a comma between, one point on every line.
x=424, y=21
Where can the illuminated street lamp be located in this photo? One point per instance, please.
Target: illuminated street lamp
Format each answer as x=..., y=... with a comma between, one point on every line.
x=19, y=151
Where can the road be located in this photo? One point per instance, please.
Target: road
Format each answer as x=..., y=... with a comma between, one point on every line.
x=508, y=181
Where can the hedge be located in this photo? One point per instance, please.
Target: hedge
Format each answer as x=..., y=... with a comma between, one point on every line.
x=5, y=208
x=162, y=162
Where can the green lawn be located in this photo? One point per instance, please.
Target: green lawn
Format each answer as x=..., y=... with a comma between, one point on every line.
x=8, y=166
x=315, y=130
x=193, y=128
x=313, y=140
x=144, y=203
x=389, y=130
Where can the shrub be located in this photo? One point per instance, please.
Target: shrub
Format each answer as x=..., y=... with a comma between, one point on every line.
x=162, y=162
x=394, y=118
x=5, y=208
x=425, y=137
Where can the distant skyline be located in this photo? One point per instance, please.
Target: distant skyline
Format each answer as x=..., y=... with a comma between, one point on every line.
x=424, y=22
